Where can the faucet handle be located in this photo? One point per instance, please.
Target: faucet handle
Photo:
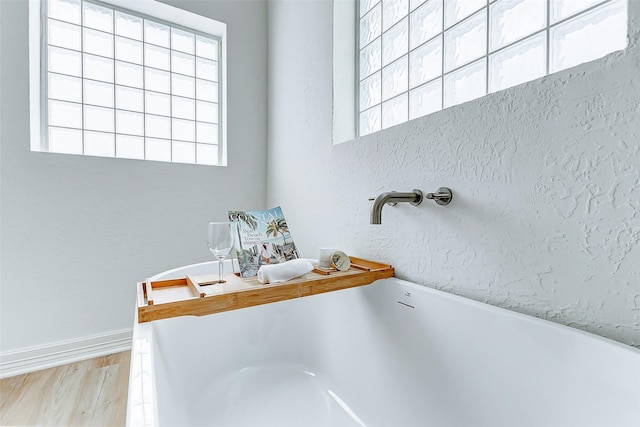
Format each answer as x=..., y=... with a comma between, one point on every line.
x=442, y=197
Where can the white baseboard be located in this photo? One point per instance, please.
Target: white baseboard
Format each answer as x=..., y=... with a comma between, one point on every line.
x=32, y=359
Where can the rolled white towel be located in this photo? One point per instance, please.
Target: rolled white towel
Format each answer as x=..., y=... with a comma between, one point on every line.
x=275, y=273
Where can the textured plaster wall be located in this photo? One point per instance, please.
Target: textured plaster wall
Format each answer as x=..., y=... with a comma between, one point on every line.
x=546, y=179
x=78, y=232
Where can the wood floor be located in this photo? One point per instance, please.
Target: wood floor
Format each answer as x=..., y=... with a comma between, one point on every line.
x=87, y=393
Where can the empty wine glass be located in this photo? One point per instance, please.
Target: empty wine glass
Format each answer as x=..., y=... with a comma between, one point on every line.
x=220, y=238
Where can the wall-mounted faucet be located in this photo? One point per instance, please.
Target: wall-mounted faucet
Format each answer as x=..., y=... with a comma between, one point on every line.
x=392, y=198
x=442, y=197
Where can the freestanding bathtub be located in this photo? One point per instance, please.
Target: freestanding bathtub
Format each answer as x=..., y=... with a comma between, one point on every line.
x=388, y=354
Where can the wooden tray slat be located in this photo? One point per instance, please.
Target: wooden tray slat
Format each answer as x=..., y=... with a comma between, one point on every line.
x=196, y=287
x=185, y=297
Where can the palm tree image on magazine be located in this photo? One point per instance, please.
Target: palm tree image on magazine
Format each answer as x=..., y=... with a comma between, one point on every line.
x=263, y=238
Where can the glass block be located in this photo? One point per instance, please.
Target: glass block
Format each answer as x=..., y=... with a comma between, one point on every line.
x=129, y=74
x=98, y=93
x=206, y=133
x=65, y=10
x=465, y=84
x=561, y=9
x=207, y=48
x=393, y=11
x=65, y=114
x=182, y=41
x=371, y=26
x=157, y=103
x=157, y=127
x=512, y=20
x=129, y=147
x=425, y=99
x=157, y=80
x=182, y=63
x=183, y=86
x=64, y=35
x=157, y=149
x=426, y=23
x=128, y=50
x=156, y=33
x=522, y=62
x=98, y=17
x=456, y=10
x=129, y=123
x=466, y=41
x=183, y=130
x=98, y=68
x=64, y=87
x=206, y=112
x=395, y=111
x=366, y=5
x=206, y=90
x=129, y=99
x=206, y=154
x=370, y=58
x=183, y=108
x=99, y=144
x=156, y=57
x=589, y=36
x=63, y=140
x=97, y=42
x=370, y=91
x=395, y=42
x=370, y=121
x=425, y=63
x=98, y=118
x=64, y=61
x=207, y=69
x=395, y=79
x=413, y=4
x=128, y=26
x=183, y=152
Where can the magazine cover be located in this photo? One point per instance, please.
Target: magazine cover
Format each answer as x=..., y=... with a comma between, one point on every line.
x=264, y=238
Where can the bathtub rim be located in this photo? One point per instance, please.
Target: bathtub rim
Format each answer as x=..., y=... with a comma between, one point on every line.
x=512, y=313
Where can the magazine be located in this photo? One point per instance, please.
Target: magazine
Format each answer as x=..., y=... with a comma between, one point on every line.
x=263, y=238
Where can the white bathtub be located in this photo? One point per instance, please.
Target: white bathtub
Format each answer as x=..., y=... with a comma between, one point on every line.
x=389, y=354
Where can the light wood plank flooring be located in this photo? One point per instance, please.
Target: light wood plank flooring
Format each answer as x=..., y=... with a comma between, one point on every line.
x=87, y=393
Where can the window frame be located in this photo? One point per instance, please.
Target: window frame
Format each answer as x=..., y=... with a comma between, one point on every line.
x=145, y=9
x=485, y=58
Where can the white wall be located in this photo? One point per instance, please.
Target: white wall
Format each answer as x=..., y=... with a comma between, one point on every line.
x=300, y=117
x=546, y=179
x=78, y=232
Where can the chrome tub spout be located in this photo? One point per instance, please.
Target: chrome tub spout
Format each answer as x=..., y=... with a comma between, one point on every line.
x=392, y=198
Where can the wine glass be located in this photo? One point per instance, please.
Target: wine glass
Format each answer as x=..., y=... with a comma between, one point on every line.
x=220, y=238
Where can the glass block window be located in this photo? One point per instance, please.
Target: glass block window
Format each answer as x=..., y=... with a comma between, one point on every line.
x=121, y=84
x=420, y=56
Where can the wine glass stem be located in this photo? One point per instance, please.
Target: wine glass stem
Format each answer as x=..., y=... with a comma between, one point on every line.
x=220, y=264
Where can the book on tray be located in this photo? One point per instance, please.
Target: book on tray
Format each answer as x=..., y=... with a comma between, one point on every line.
x=263, y=238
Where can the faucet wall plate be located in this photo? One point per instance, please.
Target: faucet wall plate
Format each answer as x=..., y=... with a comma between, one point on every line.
x=419, y=198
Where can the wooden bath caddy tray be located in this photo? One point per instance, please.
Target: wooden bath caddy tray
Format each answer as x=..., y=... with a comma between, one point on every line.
x=185, y=296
